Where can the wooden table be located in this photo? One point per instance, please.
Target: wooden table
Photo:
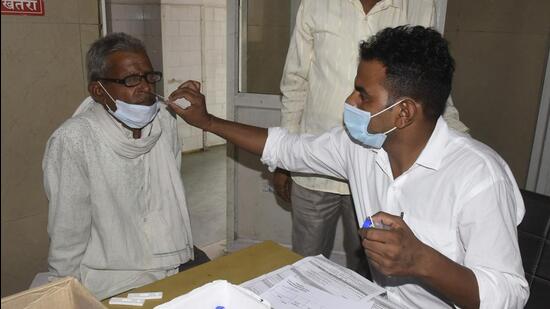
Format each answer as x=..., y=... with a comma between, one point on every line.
x=236, y=268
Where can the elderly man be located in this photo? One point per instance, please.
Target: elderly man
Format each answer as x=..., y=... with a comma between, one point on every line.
x=456, y=243
x=118, y=217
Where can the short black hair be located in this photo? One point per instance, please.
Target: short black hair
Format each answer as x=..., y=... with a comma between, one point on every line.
x=418, y=65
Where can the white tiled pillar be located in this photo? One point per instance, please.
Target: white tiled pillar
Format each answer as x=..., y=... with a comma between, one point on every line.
x=193, y=40
x=215, y=66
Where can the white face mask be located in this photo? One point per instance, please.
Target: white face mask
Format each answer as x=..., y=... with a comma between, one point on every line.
x=133, y=115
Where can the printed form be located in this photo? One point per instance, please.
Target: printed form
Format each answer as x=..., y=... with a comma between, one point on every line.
x=316, y=283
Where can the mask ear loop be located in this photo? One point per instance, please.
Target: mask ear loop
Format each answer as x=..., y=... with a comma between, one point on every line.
x=107, y=92
x=385, y=109
x=390, y=130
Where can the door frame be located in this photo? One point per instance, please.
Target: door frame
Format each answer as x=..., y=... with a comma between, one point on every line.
x=538, y=177
x=235, y=101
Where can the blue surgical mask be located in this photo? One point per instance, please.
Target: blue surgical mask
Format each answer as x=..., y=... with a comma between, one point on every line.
x=357, y=123
x=133, y=115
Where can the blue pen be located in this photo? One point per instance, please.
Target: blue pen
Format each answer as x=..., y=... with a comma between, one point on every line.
x=369, y=223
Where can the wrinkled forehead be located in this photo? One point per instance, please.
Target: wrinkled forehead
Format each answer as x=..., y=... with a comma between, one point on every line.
x=122, y=63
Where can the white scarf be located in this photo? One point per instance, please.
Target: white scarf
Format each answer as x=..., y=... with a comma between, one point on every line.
x=166, y=197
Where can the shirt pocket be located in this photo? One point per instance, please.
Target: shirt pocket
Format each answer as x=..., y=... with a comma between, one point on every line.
x=440, y=237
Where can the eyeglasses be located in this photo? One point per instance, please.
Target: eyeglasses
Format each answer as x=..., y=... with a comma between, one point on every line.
x=135, y=79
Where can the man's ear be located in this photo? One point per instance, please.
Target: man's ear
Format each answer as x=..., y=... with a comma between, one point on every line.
x=408, y=112
x=99, y=95
x=96, y=92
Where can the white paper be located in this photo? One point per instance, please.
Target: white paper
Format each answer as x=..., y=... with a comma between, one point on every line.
x=263, y=283
x=299, y=285
x=335, y=279
x=293, y=293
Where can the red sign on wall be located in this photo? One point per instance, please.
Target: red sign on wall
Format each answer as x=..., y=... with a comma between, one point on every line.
x=23, y=7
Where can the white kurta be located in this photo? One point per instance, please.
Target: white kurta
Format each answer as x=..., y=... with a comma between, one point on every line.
x=459, y=197
x=117, y=212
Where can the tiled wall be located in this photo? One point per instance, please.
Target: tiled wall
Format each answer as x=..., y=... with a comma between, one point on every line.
x=43, y=82
x=193, y=39
x=500, y=48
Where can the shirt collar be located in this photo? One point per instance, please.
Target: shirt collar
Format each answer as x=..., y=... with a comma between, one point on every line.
x=381, y=5
x=431, y=155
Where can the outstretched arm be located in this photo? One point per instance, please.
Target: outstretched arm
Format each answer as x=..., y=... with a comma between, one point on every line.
x=325, y=154
x=250, y=138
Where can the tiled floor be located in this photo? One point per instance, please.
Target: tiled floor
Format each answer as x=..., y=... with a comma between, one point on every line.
x=204, y=177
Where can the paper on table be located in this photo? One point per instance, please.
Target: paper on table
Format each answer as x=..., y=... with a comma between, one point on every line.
x=263, y=283
x=335, y=279
x=293, y=293
x=323, y=274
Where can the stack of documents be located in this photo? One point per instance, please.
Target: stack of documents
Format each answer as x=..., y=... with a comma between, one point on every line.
x=316, y=283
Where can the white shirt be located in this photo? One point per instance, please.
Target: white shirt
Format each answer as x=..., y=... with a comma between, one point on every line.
x=106, y=228
x=459, y=197
x=322, y=61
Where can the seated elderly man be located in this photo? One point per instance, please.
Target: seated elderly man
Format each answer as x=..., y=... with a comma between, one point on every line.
x=445, y=207
x=118, y=217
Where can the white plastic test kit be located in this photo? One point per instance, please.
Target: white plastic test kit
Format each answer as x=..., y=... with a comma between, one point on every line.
x=149, y=295
x=126, y=301
x=218, y=294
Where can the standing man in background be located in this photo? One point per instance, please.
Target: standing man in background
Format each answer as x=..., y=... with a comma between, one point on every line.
x=319, y=72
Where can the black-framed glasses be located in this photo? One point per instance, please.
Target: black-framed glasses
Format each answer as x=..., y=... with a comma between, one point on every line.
x=135, y=79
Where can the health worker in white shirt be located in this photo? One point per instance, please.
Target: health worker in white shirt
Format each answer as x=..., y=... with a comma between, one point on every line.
x=456, y=244
x=318, y=75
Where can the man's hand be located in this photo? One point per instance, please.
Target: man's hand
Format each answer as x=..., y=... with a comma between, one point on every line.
x=249, y=138
x=394, y=252
x=282, y=183
x=196, y=114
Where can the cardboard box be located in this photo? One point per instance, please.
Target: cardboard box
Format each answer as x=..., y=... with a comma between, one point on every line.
x=63, y=293
x=217, y=294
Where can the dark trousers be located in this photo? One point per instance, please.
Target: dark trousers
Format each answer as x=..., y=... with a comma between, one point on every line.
x=200, y=258
x=315, y=216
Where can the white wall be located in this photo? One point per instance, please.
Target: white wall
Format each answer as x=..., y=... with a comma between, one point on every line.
x=193, y=40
